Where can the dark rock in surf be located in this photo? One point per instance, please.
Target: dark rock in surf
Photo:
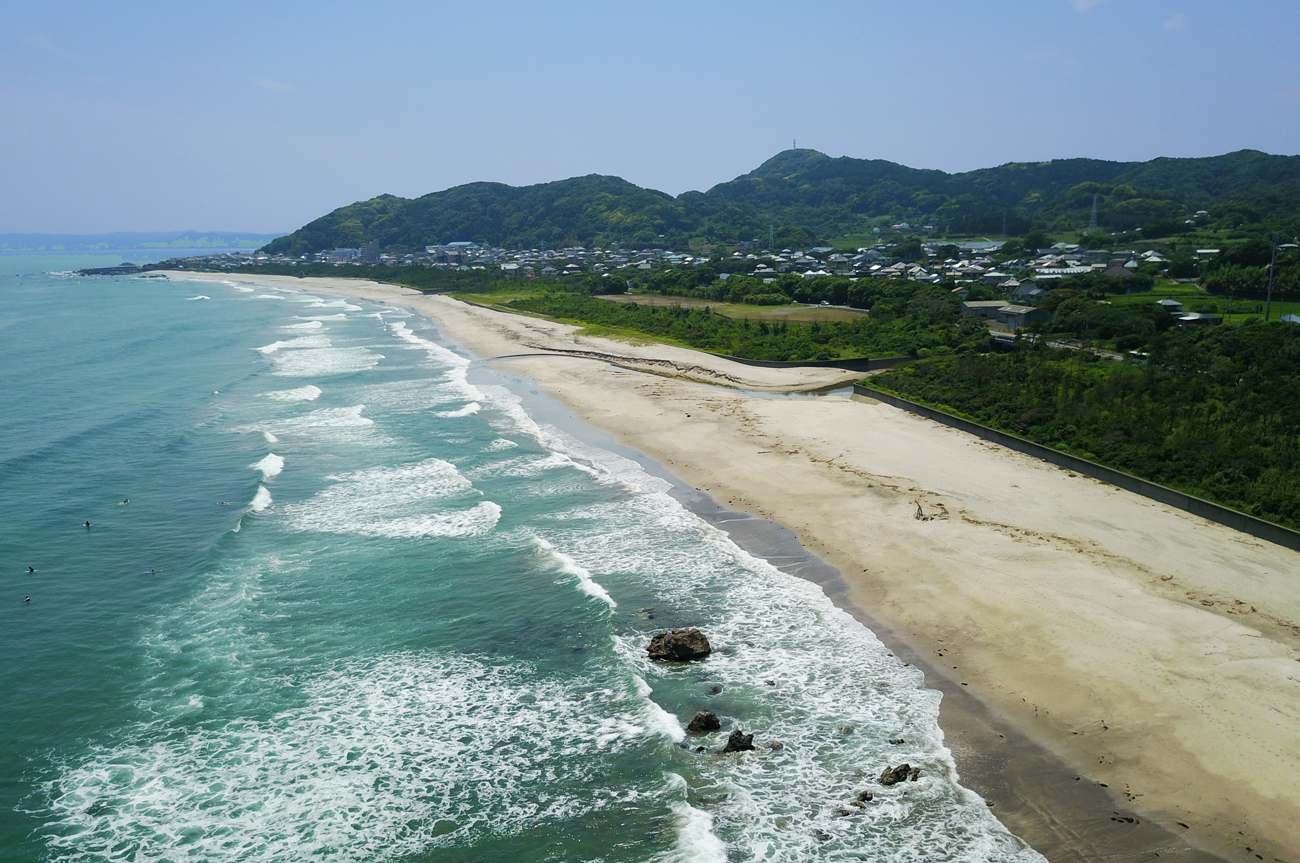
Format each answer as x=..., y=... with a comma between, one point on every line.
x=703, y=723
x=680, y=645
x=739, y=741
x=902, y=773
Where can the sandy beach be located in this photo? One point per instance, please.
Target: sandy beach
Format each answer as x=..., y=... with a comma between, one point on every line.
x=1121, y=679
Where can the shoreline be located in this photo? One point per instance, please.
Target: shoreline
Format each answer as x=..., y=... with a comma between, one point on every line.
x=1116, y=621
x=1031, y=790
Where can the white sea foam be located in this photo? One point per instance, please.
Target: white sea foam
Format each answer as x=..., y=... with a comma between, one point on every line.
x=416, y=500
x=333, y=304
x=381, y=743
x=695, y=840
x=509, y=416
x=338, y=317
x=327, y=418
x=343, y=426
x=201, y=297
x=658, y=720
x=568, y=565
x=270, y=438
x=268, y=297
x=475, y=521
x=386, y=758
x=309, y=393
x=325, y=361
x=300, y=342
x=469, y=410
x=436, y=351
x=241, y=288
x=829, y=674
x=457, y=366
x=305, y=325
x=408, y=396
x=270, y=465
x=526, y=466
x=260, y=501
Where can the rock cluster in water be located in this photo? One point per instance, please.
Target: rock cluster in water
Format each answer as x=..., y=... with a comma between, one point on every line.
x=704, y=722
x=902, y=773
x=680, y=645
x=739, y=741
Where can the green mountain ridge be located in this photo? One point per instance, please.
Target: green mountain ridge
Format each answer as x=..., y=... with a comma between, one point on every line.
x=810, y=194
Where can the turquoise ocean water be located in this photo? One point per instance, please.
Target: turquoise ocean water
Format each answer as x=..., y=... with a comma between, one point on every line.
x=344, y=597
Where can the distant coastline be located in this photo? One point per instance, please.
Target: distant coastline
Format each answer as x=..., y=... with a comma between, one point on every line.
x=141, y=243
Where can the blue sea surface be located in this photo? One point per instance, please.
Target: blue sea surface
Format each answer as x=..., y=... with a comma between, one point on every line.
x=342, y=597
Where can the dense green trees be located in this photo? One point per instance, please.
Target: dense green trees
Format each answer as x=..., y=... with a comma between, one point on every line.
x=1035, y=240
x=1241, y=270
x=1127, y=327
x=935, y=303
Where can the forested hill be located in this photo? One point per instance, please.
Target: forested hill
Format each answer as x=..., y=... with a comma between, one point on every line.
x=809, y=195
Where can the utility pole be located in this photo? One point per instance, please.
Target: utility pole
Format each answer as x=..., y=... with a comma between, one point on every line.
x=1004, y=224
x=1272, y=265
x=1092, y=223
x=771, y=238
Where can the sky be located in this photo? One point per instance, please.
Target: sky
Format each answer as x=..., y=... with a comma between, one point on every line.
x=260, y=116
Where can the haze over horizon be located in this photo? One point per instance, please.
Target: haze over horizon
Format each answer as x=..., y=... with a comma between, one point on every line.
x=149, y=117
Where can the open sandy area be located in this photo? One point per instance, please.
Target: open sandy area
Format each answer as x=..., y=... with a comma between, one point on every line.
x=1097, y=634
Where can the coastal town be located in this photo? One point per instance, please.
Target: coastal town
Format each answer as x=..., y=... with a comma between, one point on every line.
x=1018, y=282
x=960, y=262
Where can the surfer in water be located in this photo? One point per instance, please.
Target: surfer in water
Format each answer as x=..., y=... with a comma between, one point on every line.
x=30, y=570
x=87, y=524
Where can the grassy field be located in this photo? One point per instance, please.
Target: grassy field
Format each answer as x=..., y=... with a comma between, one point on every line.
x=497, y=298
x=866, y=239
x=853, y=242
x=792, y=313
x=1196, y=300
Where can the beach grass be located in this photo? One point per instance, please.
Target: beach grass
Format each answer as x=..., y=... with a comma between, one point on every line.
x=794, y=312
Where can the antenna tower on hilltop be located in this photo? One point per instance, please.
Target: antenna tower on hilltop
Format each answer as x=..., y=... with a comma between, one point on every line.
x=1092, y=223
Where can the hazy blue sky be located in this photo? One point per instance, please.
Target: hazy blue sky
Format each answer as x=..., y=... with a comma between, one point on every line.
x=259, y=116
